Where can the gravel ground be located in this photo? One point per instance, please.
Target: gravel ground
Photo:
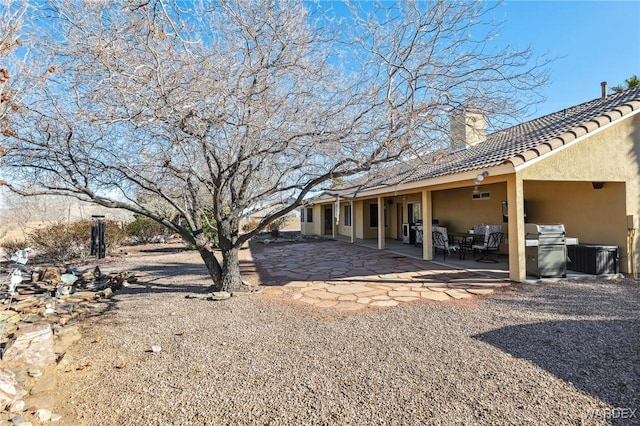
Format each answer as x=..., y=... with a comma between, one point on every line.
x=558, y=353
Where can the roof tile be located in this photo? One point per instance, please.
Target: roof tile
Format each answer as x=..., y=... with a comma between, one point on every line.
x=555, y=143
x=591, y=125
x=614, y=115
x=567, y=136
x=516, y=144
x=543, y=149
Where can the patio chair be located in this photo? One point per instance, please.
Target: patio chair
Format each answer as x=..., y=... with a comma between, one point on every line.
x=419, y=235
x=441, y=242
x=491, y=244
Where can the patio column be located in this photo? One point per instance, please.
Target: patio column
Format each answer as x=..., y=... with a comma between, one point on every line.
x=336, y=215
x=353, y=223
x=427, y=216
x=381, y=223
x=515, y=201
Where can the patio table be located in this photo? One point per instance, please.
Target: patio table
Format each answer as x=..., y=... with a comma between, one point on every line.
x=465, y=240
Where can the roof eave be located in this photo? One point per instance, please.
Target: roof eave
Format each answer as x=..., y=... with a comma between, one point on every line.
x=574, y=135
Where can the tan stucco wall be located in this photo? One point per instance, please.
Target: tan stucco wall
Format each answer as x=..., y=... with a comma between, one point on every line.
x=315, y=227
x=595, y=216
x=586, y=213
x=341, y=228
x=456, y=210
x=367, y=230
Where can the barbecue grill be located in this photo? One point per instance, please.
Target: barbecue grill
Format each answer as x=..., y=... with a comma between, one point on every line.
x=546, y=250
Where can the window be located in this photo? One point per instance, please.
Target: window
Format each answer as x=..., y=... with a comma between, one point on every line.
x=413, y=212
x=373, y=215
x=481, y=195
x=302, y=214
x=347, y=215
x=309, y=214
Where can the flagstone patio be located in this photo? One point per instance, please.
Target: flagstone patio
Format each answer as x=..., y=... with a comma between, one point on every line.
x=347, y=277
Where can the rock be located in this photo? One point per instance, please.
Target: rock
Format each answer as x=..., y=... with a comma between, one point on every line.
x=43, y=415
x=107, y=292
x=66, y=337
x=36, y=402
x=55, y=417
x=9, y=389
x=46, y=383
x=79, y=296
x=16, y=406
x=18, y=420
x=31, y=318
x=51, y=275
x=34, y=372
x=220, y=295
x=21, y=376
x=7, y=315
x=32, y=344
x=24, y=299
x=156, y=348
x=65, y=361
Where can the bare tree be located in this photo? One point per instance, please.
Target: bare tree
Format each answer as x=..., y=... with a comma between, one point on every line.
x=196, y=117
x=11, y=25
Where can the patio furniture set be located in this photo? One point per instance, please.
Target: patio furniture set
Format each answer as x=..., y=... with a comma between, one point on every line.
x=482, y=239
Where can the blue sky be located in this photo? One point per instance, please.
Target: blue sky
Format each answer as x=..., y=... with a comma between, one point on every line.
x=593, y=41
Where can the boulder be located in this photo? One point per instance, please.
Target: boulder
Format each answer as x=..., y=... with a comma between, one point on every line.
x=51, y=275
x=10, y=391
x=32, y=344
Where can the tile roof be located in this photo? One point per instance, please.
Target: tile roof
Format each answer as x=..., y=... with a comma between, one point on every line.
x=517, y=144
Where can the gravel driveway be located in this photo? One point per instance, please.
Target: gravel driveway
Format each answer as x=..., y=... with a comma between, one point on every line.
x=556, y=353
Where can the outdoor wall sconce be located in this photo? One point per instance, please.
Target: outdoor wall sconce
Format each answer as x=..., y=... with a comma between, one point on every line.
x=478, y=180
x=597, y=185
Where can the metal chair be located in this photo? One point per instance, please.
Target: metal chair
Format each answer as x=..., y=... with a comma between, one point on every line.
x=491, y=245
x=441, y=242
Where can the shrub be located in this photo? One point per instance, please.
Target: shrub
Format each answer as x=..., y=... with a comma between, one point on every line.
x=276, y=225
x=63, y=242
x=249, y=225
x=115, y=234
x=146, y=230
x=13, y=245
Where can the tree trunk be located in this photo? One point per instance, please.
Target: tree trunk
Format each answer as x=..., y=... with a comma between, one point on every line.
x=231, y=279
x=213, y=267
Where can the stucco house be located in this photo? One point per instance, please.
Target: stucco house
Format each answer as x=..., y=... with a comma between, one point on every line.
x=579, y=167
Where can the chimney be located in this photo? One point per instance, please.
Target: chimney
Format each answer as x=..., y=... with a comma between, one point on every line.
x=468, y=127
x=604, y=89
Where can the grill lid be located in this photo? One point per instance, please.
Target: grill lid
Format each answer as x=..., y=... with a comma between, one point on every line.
x=535, y=230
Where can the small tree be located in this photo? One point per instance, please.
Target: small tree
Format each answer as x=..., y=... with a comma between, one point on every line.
x=630, y=82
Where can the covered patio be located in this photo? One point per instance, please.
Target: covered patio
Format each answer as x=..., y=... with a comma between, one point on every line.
x=499, y=270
